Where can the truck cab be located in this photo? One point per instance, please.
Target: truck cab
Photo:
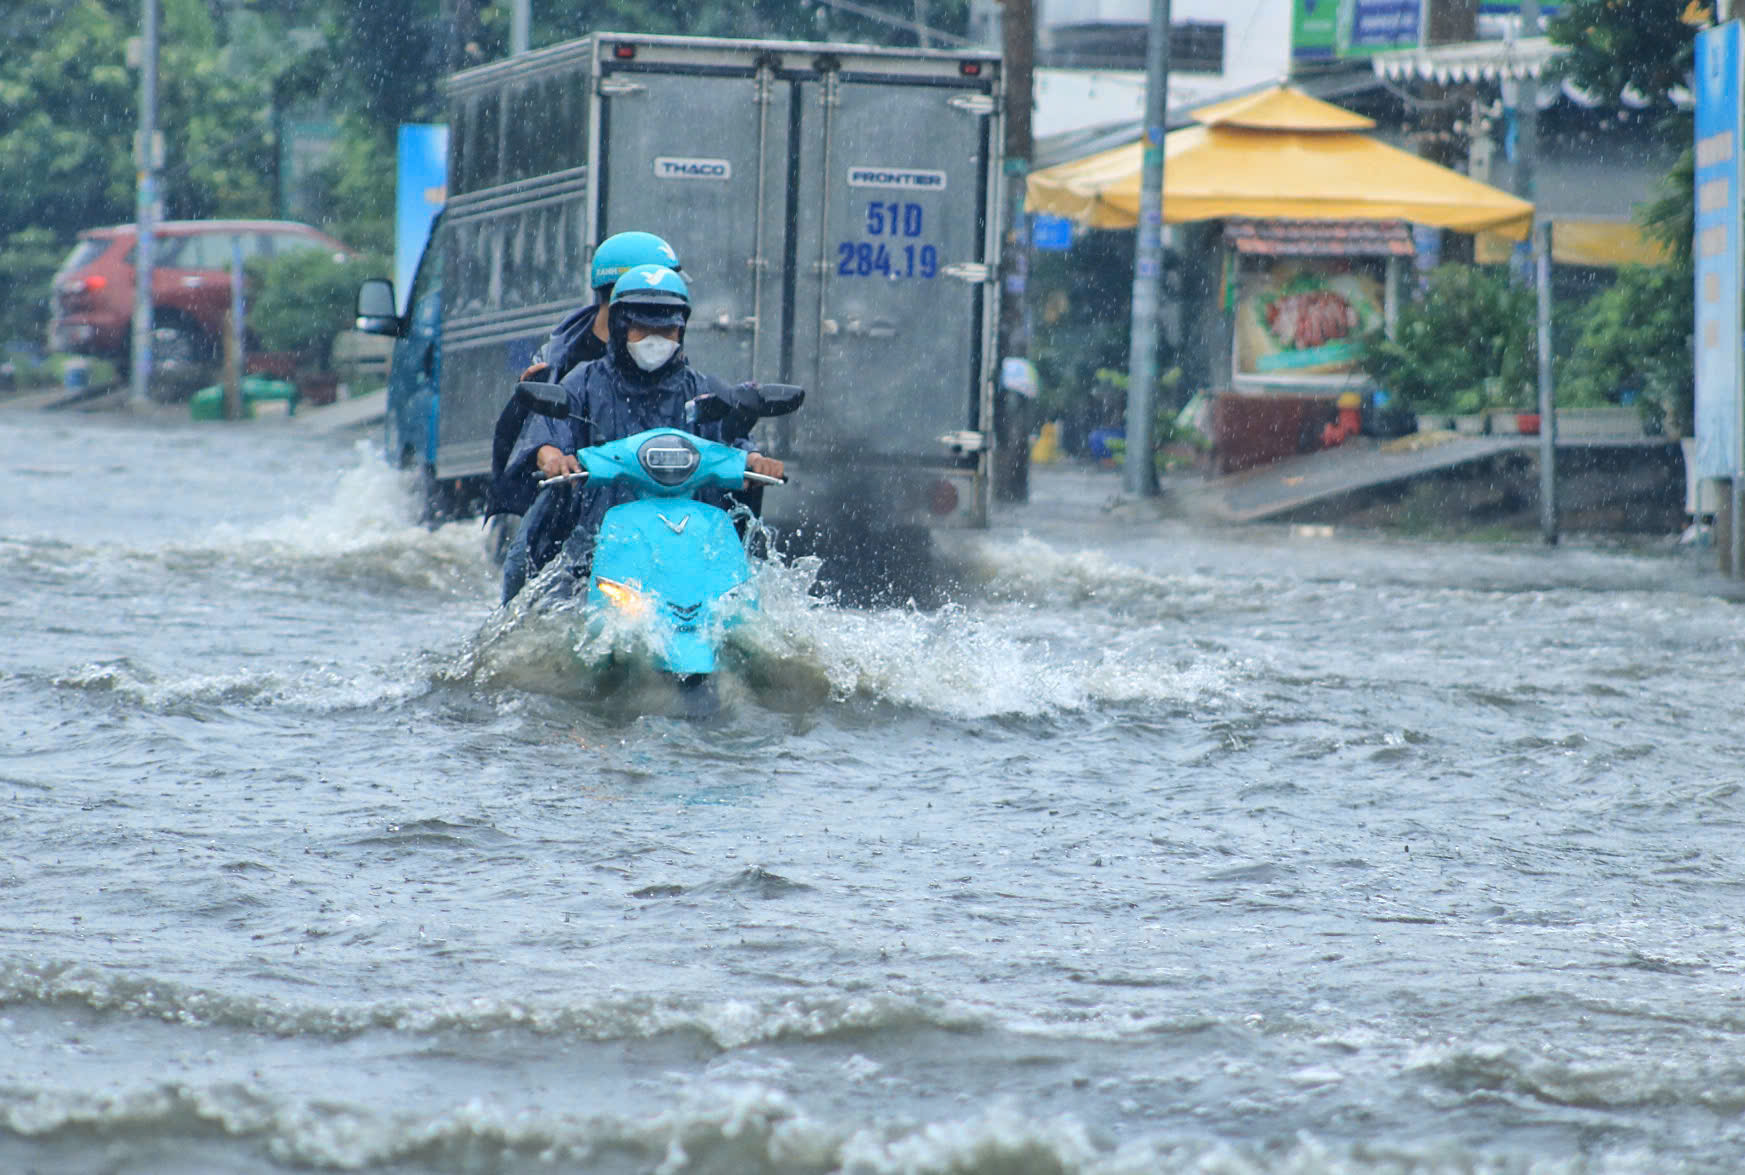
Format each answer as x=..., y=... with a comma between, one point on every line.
x=415, y=380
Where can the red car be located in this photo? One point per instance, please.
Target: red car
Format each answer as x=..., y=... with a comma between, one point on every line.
x=93, y=289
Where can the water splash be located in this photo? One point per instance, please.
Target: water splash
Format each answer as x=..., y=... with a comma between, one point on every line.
x=798, y=651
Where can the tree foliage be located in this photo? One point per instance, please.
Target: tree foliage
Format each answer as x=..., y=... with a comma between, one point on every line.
x=301, y=301
x=69, y=101
x=1466, y=346
x=1644, y=46
x=1635, y=338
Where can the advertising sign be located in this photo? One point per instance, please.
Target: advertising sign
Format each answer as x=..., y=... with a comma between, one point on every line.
x=1306, y=319
x=420, y=190
x=1327, y=30
x=1717, y=251
x=1332, y=30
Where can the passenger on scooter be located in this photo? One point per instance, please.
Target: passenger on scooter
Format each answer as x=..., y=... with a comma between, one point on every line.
x=582, y=336
x=642, y=382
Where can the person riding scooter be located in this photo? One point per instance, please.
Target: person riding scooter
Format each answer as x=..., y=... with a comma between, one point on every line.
x=642, y=382
x=576, y=340
x=582, y=335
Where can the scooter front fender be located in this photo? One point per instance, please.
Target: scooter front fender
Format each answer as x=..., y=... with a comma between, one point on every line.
x=677, y=560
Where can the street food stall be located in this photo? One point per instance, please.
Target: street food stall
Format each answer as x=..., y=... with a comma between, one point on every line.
x=1317, y=235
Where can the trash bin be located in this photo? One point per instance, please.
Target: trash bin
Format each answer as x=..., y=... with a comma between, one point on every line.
x=208, y=403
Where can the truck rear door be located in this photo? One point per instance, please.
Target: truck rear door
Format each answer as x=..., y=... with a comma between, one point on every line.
x=891, y=233
x=685, y=152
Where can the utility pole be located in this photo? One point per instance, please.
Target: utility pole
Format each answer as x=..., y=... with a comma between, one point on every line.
x=520, y=26
x=1526, y=160
x=145, y=207
x=1011, y=472
x=233, y=348
x=1139, y=473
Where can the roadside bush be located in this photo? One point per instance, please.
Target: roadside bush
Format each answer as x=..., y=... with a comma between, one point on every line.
x=299, y=302
x=1635, y=338
x=1466, y=346
x=28, y=260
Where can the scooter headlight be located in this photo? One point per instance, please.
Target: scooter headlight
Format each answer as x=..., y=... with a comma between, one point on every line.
x=627, y=598
x=669, y=459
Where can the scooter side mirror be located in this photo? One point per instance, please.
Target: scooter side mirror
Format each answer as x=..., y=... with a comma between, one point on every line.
x=779, y=399
x=543, y=398
x=751, y=401
x=712, y=408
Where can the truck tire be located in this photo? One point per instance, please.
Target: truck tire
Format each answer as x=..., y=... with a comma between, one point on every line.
x=447, y=499
x=872, y=567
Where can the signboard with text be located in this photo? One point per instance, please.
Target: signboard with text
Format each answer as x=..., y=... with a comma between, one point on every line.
x=1336, y=30
x=1716, y=249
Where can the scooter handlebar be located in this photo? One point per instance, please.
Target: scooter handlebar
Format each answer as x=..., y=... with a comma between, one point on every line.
x=564, y=478
x=765, y=479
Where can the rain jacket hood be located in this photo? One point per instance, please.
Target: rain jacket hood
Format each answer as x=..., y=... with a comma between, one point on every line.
x=572, y=343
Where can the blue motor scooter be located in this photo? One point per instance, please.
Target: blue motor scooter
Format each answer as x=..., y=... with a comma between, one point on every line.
x=665, y=560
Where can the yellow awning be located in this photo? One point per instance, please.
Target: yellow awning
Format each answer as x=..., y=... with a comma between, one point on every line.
x=1281, y=109
x=1237, y=168
x=1601, y=243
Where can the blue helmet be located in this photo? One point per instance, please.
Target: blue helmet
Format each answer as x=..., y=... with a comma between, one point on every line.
x=624, y=251
x=652, y=295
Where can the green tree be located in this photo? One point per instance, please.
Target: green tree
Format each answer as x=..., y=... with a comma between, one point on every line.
x=68, y=113
x=304, y=299
x=1466, y=346
x=1644, y=46
x=1635, y=335
x=69, y=102
x=1083, y=299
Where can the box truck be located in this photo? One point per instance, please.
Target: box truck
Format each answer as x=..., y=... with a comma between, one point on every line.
x=835, y=210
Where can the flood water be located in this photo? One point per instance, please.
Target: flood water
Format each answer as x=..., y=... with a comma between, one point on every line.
x=1155, y=851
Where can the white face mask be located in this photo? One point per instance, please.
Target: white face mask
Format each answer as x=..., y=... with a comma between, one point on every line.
x=652, y=352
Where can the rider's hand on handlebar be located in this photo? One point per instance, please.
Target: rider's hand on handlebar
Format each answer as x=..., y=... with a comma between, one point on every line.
x=554, y=462
x=758, y=463
x=534, y=371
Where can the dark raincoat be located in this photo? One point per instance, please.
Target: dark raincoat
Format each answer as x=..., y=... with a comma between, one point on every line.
x=609, y=399
x=572, y=343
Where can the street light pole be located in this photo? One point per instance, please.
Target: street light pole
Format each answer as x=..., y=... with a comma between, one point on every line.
x=145, y=208
x=1139, y=475
x=520, y=25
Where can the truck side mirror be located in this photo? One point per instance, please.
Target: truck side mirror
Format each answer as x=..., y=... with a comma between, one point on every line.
x=544, y=399
x=376, y=313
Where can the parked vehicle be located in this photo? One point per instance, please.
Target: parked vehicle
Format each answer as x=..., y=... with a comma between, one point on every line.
x=835, y=209
x=93, y=290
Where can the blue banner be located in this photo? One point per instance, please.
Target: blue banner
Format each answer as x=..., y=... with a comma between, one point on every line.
x=1384, y=24
x=419, y=192
x=1052, y=233
x=1717, y=252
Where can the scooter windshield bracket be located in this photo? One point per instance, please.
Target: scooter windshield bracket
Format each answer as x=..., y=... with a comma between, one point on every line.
x=669, y=459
